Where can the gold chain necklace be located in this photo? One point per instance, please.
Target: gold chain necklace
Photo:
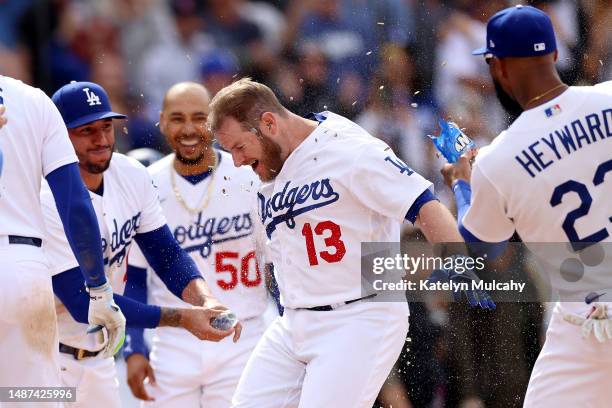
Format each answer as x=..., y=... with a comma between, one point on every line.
x=206, y=197
x=537, y=98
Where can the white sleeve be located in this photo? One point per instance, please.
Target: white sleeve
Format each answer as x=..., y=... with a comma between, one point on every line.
x=136, y=258
x=152, y=216
x=57, y=149
x=56, y=246
x=486, y=218
x=384, y=183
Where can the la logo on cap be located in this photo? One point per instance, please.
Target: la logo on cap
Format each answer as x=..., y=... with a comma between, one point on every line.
x=92, y=98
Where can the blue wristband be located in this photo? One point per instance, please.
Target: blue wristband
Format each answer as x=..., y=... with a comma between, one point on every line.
x=463, y=197
x=135, y=343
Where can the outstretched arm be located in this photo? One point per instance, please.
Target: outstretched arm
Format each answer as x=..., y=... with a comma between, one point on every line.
x=69, y=289
x=438, y=225
x=138, y=314
x=181, y=275
x=171, y=263
x=457, y=177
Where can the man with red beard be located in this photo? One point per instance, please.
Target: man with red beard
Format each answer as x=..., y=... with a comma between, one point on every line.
x=328, y=186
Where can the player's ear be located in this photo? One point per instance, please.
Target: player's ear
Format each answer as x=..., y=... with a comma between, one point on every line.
x=502, y=68
x=556, y=55
x=162, y=122
x=268, y=122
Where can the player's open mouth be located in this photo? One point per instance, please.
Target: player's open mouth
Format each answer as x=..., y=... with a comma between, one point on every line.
x=189, y=142
x=254, y=165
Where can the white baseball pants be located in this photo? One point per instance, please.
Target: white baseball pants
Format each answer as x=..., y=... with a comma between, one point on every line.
x=194, y=373
x=314, y=359
x=28, y=324
x=571, y=371
x=95, y=380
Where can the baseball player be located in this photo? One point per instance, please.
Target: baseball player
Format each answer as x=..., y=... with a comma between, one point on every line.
x=127, y=207
x=328, y=187
x=545, y=177
x=34, y=143
x=209, y=205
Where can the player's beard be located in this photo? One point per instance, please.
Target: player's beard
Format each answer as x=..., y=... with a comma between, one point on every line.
x=271, y=160
x=96, y=168
x=204, y=144
x=512, y=107
x=190, y=162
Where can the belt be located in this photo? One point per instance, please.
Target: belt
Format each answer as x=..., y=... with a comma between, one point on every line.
x=16, y=239
x=328, y=308
x=78, y=354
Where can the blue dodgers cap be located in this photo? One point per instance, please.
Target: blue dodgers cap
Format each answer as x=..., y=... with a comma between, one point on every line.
x=519, y=31
x=83, y=102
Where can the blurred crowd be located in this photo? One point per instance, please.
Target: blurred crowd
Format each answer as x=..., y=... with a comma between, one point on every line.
x=393, y=66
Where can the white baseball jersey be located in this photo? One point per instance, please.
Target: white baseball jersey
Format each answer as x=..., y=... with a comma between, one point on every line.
x=220, y=237
x=34, y=143
x=547, y=178
x=340, y=187
x=128, y=206
x=551, y=161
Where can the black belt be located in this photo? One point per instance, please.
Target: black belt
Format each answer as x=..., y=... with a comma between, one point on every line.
x=16, y=239
x=77, y=353
x=328, y=308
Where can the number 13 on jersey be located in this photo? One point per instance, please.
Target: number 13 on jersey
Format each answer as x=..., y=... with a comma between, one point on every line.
x=332, y=241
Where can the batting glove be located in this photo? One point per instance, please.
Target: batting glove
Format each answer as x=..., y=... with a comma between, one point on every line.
x=104, y=313
x=475, y=297
x=597, y=322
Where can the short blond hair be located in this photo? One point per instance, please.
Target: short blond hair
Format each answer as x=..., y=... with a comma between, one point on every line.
x=244, y=100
